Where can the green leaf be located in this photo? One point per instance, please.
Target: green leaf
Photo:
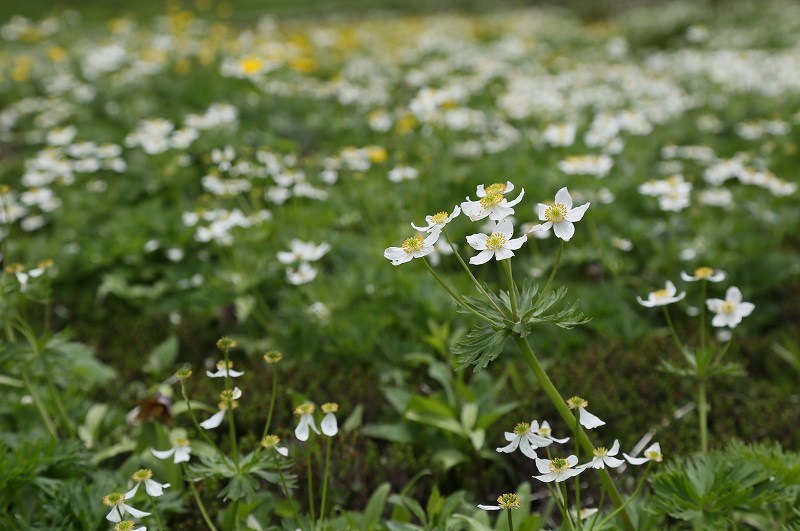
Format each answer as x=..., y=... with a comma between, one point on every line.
x=469, y=415
x=433, y=413
x=399, y=433
x=480, y=347
x=449, y=458
x=375, y=506
x=162, y=357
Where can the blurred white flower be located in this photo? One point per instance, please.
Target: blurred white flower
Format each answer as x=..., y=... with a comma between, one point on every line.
x=730, y=311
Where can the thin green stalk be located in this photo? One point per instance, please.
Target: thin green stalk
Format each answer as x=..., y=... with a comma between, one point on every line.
x=199, y=503
x=287, y=492
x=271, y=401
x=510, y=520
x=469, y=272
x=621, y=509
x=566, y=502
x=231, y=423
x=702, y=413
x=456, y=296
x=673, y=332
x=562, y=408
x=555, y=492
x=577, y=478
x=310, y=482
x=512, y=288
x=197, y=426
x=599, y=509
x=325, y=480
x=552, y=275
x=703, y=286
x=156, y=514
x=235, y=509
x=37, y=400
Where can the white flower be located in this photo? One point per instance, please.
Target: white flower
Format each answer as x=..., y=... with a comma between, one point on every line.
x=492, y=202
x=545, y=431
x=329, y=425
x=228, y=400
x=302, y=275
x=413, y=247
x=662, y=297
x=272, y=442
x=652, y=453
x=119, y=508
x=597, y=165
x=704, y=273
x=505, y=501
x=306, y=412
x=557, y=469
x=586, y=419
x=524, y=438
x=300, y=251
x=438, y=221
x=402, y=173
x=560, y=215
x=604, y=457
x=730, y=311
x=222, y=370
x=152, y=487
x=180, y=450
x=498, y=244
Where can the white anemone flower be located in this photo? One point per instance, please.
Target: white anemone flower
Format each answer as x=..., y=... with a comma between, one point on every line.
x=300, y=251
x=222, y=370
x=272, y=442
x=731, y=310
x=119, y=508
x=524, y=438
x=704, y=273
x=557, y=469
x=181, y=451
x=302, y=275
x=413, y=247
x=306, y=412
x=560, y=215
x=228, y=400
x=604, y=457
x=152, y=487
x=586, y=419
x=438, y=221
x=505, y=501
x=545, y=431
x=491, y=202
x=652, y=453
x=662, y=297
x=498, y=244
x=329, y=425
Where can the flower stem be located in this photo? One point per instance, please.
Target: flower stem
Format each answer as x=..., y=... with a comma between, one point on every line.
x=577, y=478
x=673, y=332
x=199, y=503
x=287, y=492
x=48, y=422
x=510, y=520
x=562, y=408
x=512, y=288
x=552, y=275
x=197, y=426
x=702, y=413
x=325, y=480
x=456, y=296
x=469, y=272
x=155, y=513
x=630, y=498
x=271, y=401
x=703, y=286
x=310, y=482
x=231, y=423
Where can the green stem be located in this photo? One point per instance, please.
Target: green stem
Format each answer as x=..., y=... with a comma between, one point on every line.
x=552, y=275
x=325, y=480
x=271, y=401
x=702, y=413
x=235, y=510
x=456, y=296
x=703, y=317
x=37, y=400
x=562, y=408
x=199, y=503
x=155, y=513
x=286, y=491
x=577, y=478
x=512, y=288
x=566, y=502
x=510, y=520
x=621, y=509
x=310, y=482
x=672, y=330
x=199, y=428
x=231, y=423
x=555, y=492
x=471, y=276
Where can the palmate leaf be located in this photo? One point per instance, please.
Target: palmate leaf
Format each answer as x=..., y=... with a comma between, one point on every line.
x=480, y=347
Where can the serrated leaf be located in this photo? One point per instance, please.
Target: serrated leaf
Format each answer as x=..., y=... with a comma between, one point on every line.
x=480, y=347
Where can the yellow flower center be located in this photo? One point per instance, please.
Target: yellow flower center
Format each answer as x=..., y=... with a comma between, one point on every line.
x=654, y=455
x=558, y=465
x=522, y=428
x=114, y=499
x=728, y=307
x=304, y=409
x=180, y=441
x=576, y=402
x=544, y=432
x=142, y=475
x=556, y=213
x=496, y=188
x=273, y=356
x=600, y=451
x=441, y=217
x=270, y=441
x=496, y=241
x=661, y=294
x=490, y=200
x=413, y=244
x=251, y=65
x=221, y=365
x=509, y=501
x=125, y=525
x=703, y=272
x=330, y=407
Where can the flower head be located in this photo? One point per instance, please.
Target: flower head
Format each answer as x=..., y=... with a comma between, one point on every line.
x=180, y=451
x=662, y=297
x=439, y=220
x=560, y=215
x=272, y=442
x=224, y=369
x=524, y=438
x=329, y=425
x=273, y=356
x=731, y=310
x=652, y=453
x=116, y=500
x=586, y=419
x=498, y=244
x=152, y=487
x=557, y=469
x=504, y=501
x=491, y=202
x=306, y=412
x=413, y=247
x=704, y=273
x=603, y=457
x=545, y=431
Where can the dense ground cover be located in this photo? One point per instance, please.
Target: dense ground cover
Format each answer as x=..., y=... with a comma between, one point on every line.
x=168, y=182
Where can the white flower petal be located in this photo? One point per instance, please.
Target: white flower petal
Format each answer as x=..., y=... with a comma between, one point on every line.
x=576, y=214
x=563, y=197
x=301, y=431
x=503, y=254
x=543, y=465
x=131, y=493
x=162, y=454
x=614, y=448
x=329, y=425
x=733, y=294
x=481, y=258
x=489, y=507
x=564, y=230
x=635, y=460
x=589, y=421
x=477, y=241
x=136, y=513
x=510, y=447
x=154, y=488
x=214, y=421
